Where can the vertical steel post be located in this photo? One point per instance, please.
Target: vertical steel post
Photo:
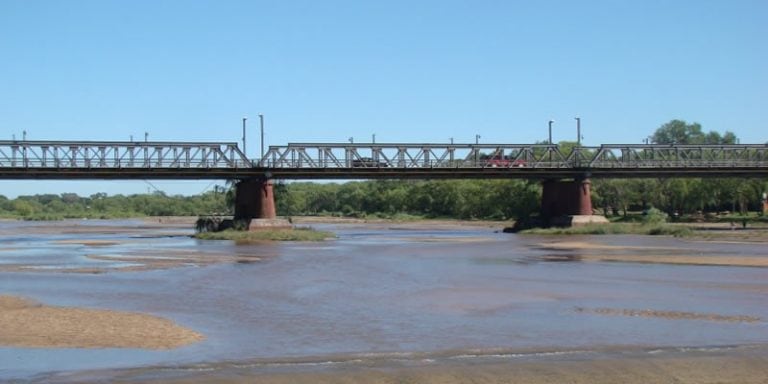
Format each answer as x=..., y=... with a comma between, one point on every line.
x=244, y=151
x=261, y=126
x=550, y=132
x=578, y=131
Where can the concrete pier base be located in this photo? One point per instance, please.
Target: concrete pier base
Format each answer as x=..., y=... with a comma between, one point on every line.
x=268, y=224
x=577, y=220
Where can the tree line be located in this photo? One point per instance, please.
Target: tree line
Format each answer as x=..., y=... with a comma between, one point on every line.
x=101, y=206
x=462, y=199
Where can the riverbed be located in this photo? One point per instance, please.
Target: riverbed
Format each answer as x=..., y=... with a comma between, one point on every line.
x=383, y=296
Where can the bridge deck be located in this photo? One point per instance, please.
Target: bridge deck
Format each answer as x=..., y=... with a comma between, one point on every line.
x=194, y=160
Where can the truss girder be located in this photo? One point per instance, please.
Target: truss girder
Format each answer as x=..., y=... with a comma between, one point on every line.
x=52, y=159
x=626, y=156
x=120, y=155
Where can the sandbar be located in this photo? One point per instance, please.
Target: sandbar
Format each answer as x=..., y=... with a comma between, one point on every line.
x=26, y=323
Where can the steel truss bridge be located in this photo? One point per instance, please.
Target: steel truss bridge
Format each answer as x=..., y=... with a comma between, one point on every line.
x=199, y=160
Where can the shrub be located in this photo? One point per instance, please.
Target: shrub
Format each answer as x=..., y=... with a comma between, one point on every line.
x=654, y=216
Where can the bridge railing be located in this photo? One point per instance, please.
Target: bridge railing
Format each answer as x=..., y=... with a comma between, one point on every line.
x=117, y=155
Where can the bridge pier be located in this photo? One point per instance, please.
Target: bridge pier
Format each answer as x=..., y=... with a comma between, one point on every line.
x=254, y=199
x=567, y=203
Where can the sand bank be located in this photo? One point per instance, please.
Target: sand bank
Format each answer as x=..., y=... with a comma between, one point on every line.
x=26, y=323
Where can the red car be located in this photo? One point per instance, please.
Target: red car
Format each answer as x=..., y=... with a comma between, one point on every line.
x=504, y=162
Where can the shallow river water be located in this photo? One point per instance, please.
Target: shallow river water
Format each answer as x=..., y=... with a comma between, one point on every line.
x=379, y=291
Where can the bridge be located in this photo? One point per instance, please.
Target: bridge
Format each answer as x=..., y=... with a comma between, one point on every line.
x=565, y=173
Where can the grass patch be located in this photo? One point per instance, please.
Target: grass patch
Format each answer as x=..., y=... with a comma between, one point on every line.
x=297, y=234
x=615, y=229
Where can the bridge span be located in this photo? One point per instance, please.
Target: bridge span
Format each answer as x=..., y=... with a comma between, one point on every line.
x=212, y=160
x=565, y=173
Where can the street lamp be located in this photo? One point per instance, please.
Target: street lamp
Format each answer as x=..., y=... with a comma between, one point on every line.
x=477, y=139
x=244, y=120
x=451, y=140
x=374, y=138
x=578, y=131
x=261, y=128
x=146, y=136
x=550, y=131
x=351, y=140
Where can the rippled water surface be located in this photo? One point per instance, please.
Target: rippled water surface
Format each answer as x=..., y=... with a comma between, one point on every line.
x=377, y=289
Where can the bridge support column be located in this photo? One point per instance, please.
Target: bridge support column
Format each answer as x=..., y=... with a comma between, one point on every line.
x=566, y=198
x=254, y=199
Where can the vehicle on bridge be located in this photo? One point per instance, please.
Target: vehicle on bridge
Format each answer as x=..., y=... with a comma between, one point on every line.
x=368, y=162
x=498, y=161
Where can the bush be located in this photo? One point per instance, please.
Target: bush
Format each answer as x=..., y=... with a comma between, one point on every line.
x=654, y=216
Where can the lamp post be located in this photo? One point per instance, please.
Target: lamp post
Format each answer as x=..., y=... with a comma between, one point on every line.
x=146, y=136
x=244, y=120
x=261, y=128
x=550, y=131
x=373, y=138
x=477, y=139
x=578, y=131
x=351, y=140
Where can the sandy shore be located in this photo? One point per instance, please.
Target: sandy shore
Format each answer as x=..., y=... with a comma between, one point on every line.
x=26, y=323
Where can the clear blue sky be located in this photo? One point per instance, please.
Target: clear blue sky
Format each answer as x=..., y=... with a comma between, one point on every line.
x=416, y=71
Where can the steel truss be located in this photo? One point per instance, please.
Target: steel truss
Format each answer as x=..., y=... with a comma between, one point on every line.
x=311, y=155
x=179, y=160
x=120, y=155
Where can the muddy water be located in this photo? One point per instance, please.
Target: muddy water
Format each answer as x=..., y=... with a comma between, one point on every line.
x=378, y=290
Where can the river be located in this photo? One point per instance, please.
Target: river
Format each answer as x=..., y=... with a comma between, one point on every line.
x=378, y=294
